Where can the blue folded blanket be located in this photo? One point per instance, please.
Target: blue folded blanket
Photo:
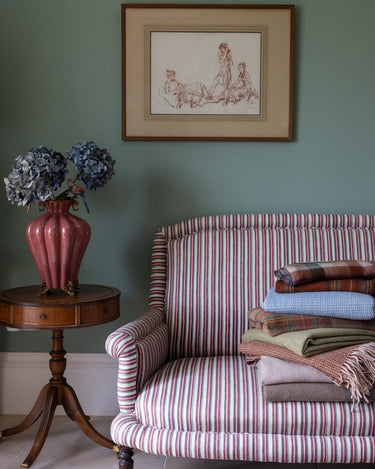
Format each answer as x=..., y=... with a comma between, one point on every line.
x=337, y=304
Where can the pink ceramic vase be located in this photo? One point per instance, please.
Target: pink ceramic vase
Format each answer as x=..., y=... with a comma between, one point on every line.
x=58, y=241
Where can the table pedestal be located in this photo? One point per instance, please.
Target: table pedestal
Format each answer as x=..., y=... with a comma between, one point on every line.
x=56, y=392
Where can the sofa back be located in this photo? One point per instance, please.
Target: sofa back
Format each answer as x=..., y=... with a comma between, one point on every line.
x=208, y=272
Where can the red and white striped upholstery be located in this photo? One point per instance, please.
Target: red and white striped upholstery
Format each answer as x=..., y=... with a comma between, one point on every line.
x=184, y=390
x=199, y=403
x=141, y=347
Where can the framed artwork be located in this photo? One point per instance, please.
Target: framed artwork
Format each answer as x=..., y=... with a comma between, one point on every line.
x=207, y=72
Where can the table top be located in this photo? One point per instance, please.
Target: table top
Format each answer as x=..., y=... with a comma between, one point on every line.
x=93, y=304
x=29, y=295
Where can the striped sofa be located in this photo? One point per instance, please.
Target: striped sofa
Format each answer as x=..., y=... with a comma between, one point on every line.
x=183, y=388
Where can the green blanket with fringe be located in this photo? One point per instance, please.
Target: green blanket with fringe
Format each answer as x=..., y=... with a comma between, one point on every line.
x=313, y=341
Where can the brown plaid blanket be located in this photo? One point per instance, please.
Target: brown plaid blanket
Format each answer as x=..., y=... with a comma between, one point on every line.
x=297, y=274
x=275, y=323
x=352, y=367
x=351, y=284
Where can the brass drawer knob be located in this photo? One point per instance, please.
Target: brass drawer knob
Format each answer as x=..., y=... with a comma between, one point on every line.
x=43, y=316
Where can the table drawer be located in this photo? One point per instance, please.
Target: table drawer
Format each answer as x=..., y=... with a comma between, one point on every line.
x=5, y=313
x=100, y=312
x=44, y=317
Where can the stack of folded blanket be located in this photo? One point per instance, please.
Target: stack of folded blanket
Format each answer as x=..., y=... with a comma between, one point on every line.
x=313, y=338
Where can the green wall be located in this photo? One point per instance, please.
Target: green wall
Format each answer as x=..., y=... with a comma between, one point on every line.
x=61, y=84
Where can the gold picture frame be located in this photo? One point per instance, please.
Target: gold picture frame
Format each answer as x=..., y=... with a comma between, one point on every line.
x=207, y=72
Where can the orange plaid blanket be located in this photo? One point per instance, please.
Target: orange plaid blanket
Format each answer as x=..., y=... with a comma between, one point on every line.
x=297, y=274
x=351, y=284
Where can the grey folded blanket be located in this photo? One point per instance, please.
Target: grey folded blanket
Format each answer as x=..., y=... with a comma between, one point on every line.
x=310, y=392
x=276, y=371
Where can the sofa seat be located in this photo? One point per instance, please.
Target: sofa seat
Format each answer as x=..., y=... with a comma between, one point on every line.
x=224, y=395
x=213, y=407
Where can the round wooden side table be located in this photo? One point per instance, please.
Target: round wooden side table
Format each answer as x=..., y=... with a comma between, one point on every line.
x=24, y=309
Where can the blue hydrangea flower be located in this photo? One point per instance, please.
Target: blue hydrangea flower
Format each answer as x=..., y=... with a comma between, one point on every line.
x=35, y=176
x=94, y=165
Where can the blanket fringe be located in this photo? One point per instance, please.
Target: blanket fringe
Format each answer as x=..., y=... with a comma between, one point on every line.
x=358, y=372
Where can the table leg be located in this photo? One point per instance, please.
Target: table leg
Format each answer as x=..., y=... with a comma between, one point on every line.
x=56, y=392
x=48, y=411
x=74, y=411
x=31, y=418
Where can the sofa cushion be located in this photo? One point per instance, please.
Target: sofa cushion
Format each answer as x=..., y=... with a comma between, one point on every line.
x=223, y=394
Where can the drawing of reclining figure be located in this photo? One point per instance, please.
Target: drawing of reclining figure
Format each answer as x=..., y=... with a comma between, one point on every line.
x=176, y=93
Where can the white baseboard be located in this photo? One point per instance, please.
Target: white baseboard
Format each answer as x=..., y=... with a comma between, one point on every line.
x=93, y=377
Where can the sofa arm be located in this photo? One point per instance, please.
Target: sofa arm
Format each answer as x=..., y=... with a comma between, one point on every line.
x=141, y=348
